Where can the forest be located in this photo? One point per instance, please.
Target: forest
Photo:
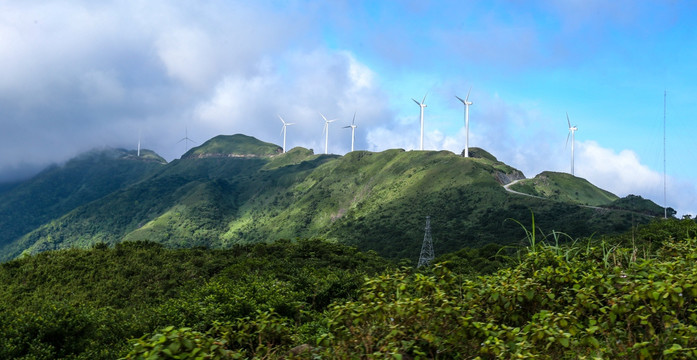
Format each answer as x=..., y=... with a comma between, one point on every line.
x=625, y=296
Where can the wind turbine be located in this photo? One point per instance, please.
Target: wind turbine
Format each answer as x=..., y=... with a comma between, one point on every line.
x=283, y=130
x=353, y=127
x=422, y=106
x=572, y=130
x=186, y=140
x=467, y=104
x=139, y=136
x=326, y=131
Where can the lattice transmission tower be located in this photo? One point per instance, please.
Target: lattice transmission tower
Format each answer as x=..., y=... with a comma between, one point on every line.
x=427, y=248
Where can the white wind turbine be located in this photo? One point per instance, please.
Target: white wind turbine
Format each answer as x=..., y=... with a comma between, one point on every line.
x=422, y=106
x=283, y=130
x=572, y=130
x=139, y=136
x=353, y=127
x=467, y=104
x=186, y=140
x=326, y=132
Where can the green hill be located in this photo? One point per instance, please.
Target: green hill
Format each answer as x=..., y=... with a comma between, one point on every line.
x=564, y=187
x=638, y=204
x=237, y=145
x=375, y=201
x=60, y=189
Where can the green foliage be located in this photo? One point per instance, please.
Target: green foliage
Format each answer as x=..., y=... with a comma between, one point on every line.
x=85, y=303
x=548, y=306
x=640, y=205
x=315, y=299
x=478, y=261
x=184, y=343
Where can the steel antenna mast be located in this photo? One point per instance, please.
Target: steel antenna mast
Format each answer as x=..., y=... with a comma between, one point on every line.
x=665, y=203
x=427, y=248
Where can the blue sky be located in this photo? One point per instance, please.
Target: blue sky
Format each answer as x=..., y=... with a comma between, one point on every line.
x=79, y=74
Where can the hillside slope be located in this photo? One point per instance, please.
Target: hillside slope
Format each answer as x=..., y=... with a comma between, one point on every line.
x=60, y=189
x=564, y=187
x=376, y=201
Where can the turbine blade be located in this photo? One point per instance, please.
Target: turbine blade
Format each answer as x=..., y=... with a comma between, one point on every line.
x=424, y=100
x=354, y=118
x=468, y=94
x=289, y=124
x=417, y=103
x=325, y=119
x=567, y=119
x=279, y=116
x=459, y=98
x=344, y=127
x=567, y=140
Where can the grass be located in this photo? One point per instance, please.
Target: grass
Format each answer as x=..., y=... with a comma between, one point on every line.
x=566, y=188
x=238, y=144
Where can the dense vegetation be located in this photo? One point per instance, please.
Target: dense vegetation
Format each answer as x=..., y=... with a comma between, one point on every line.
x=87, y=303
x=60, y=189
x=640, y=205
x=628, y=296
x=233, y=190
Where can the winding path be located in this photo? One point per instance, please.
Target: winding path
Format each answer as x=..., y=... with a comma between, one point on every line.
x=507, y=187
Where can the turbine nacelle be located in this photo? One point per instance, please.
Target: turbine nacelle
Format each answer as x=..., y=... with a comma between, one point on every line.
x=284, y=122
x=353, y=123
x=420, y=103
x=466, y=100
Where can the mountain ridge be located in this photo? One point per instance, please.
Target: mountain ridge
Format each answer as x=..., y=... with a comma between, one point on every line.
x=375, y=201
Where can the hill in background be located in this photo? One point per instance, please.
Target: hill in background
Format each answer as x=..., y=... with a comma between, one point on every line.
x=237, y=145
x=61, y=188
x=238, y=190
x=564, y=187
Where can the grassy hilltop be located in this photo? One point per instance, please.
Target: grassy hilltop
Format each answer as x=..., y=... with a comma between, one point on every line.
x=564, y=187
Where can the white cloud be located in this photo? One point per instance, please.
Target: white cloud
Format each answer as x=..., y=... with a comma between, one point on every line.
x=341, y=87
x=188, y=54
x=622, y=173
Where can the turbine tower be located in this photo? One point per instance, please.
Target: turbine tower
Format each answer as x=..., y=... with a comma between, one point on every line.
x=326, y=132
x=422, y=106
x=467, y=104
x=283, y=130
x=139, y=136
x=186, y=140
x=427, y=248
x=572, y=130
x=353, y=127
